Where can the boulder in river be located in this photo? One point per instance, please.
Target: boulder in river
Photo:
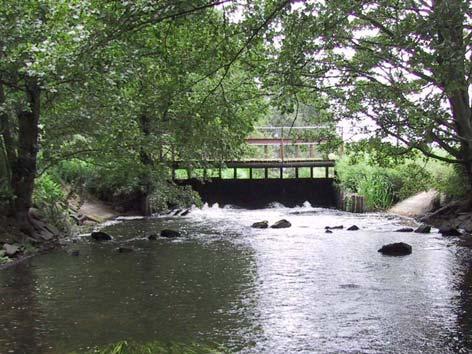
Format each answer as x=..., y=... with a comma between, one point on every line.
x=338, y=227
x=170, y=233
x=396, y=249
x=281, y=224
x=261, y=225
x=449, y=231
x=100, y=236
x=423, y=229
x=405, y=229
x=353, y=228
x=11, y=250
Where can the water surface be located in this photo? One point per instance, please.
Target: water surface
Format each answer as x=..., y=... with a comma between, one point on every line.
x=296, y=290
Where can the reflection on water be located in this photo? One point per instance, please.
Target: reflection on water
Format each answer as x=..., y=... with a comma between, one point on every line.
x=254, y=291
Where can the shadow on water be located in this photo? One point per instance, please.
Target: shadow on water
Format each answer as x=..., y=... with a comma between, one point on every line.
x=20, y=325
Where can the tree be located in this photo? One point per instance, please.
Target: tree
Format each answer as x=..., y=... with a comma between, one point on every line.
x=406, y=65
x=45, y=47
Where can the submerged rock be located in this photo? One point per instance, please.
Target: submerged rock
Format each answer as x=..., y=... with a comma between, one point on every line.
x=423, y=229
x=338, y=227
x=353, y=228
x=170, y=233
x=396, y=249
x=152, y=237
x=124, y=250
x=449, y=231
x=261, y=225
x=281, y=224
x=100, y=236
x=405, y=229
x=11, y=250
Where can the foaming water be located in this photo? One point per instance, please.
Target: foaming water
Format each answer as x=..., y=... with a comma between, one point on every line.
x=295, y=290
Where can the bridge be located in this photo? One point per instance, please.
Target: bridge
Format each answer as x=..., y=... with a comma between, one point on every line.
x=283, y=164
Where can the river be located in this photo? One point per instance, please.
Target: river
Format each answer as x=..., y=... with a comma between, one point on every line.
x=296, y=290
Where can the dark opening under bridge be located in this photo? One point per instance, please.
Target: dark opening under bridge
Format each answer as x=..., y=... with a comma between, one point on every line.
x=291, y=170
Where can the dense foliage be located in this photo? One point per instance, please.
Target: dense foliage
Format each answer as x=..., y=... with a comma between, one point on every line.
x=127, y=87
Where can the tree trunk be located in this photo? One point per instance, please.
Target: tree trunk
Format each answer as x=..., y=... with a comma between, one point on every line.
x=24, y=169
x=8, y=147
x=146, y=160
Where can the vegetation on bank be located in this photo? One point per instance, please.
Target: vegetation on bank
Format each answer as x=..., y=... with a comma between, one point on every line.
x=386, y=181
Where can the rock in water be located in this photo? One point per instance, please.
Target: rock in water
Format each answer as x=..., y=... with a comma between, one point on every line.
x=328, y=231
x=170, y=233
x=186, y=212
x=281, y=224
x=75, y=253
x=152, y=237
x=396, y=249
x=339, y=227
x=261, y=225
x=405, y=229
x=11, y=250
x=100, y=236
x=423, y=229
x=449, y=231
x=124, y=250
x=352, y=228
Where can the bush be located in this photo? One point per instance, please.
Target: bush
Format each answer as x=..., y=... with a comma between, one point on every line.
x=49, y=198
x=168, y=194
x=382, y=186
x=450, y=180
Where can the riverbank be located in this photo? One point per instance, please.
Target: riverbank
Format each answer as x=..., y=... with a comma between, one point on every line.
x=17, y=246
x=428, y=208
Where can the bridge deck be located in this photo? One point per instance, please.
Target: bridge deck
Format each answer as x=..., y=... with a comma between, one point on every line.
x=262, y=163
x=254, y=164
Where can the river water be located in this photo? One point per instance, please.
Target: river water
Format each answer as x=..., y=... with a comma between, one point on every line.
x=296, y=290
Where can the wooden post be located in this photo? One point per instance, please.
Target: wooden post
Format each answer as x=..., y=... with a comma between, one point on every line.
x=220, y=174
x=311, y=150
x=250, y=172
x=235, y=173
x=204, y=173
x=327, y=172
x=311, y=172
x=281, y=172
x=189, y=173
x=266, y=173
x=282, y=152
x=266, y=151
x=296, y=172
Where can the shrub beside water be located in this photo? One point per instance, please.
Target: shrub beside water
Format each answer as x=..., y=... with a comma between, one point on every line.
x=380, y=185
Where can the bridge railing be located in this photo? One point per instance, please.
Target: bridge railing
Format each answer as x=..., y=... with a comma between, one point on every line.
x=294, y=143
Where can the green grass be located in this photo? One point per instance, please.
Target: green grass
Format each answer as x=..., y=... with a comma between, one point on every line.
x=127, y=347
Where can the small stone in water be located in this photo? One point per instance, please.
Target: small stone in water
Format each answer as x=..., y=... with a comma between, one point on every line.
x=261, y=225
x=353, y=228
x=281, y=224
x=405, y=229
